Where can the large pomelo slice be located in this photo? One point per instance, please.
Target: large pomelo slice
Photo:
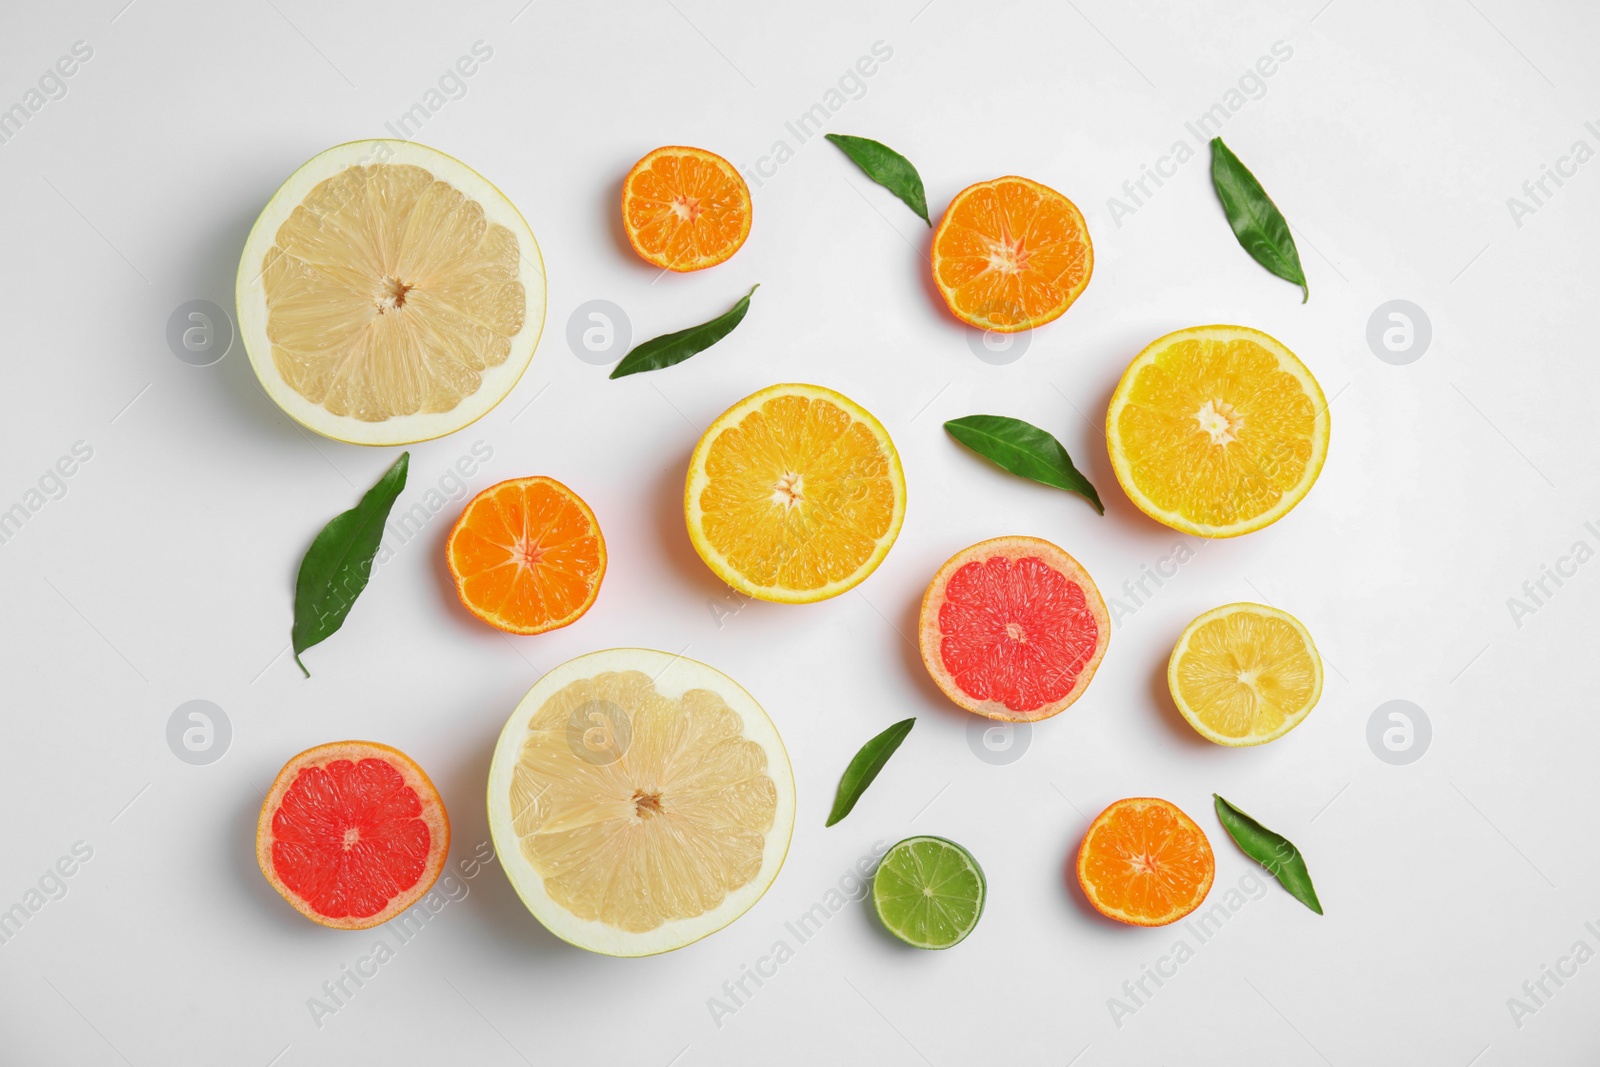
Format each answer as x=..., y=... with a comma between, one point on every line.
x=352, y=833
x=1013, y=628
x=639, y=801
x=389, y=294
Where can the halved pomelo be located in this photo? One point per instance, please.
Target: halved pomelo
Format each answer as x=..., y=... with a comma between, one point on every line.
x=352, y=833
x=639, y=801
x=1013, y=628
x=389, y=294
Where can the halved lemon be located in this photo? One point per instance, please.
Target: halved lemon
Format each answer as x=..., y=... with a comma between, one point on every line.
x=795, y=494
x=1217, y=430
x=639, y=801
x=389, y=294
x=1245, y=674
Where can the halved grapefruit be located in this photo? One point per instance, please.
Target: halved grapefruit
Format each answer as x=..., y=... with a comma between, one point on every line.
x=639, y=801
x=388, y=293
x=352, y=833
x=1013, y=628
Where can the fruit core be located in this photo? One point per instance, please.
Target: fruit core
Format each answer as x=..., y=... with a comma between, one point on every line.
x=686, y=207
x=392, y=294
x=789, y=490
x=1218, y=418
x=1007, y=256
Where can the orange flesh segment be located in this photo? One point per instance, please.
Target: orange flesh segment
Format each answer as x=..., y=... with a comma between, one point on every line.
x=527, y=554
x=349, y=837
x=1011, y=254
x=1015, y=631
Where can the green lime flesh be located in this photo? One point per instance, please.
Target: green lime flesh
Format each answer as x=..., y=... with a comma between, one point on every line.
x=929, y=892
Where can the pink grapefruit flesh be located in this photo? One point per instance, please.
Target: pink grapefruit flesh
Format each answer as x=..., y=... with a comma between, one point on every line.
x=352, y=833
x=1013, y=628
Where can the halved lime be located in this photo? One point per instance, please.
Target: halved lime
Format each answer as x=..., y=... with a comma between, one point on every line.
x=929, y=892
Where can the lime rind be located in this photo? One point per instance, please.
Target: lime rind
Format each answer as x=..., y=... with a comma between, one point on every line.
x=929, y=892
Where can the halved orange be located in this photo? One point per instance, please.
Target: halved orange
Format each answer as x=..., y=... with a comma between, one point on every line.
x=527, y=555
x=685, y=208
x=1011, y=254
x=1217, y=430
x=352, y=833
x=1145, y=863
x=795, y=494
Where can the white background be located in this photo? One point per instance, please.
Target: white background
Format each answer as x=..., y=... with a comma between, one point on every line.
x=1391, y=140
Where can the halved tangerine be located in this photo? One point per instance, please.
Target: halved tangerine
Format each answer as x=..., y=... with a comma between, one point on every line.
x=1145, y=863
x=685, y=208
x=1011, y=254
x=527, y=555
x=352, y=833
x=1013, y=628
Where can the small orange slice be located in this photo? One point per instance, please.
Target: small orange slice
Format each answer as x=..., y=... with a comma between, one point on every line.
x=1011, y=254
x=1146, y=863
x=685, y=208
x=352, y=833
x=527, y=555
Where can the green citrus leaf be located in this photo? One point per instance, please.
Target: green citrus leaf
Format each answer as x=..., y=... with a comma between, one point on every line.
x=1272, y=850
x=339, y=562
x=1256, y=220
x=672, y=348
x=865, y=767
x=1024, y=450
x=888, y=168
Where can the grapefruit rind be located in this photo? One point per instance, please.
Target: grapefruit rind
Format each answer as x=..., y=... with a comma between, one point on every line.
x=698, y=479
x=1193, y=718
x=930, y=636
x=493, y=618
x=1287, y=362
x=673, y=676
x=1120, y=915
x=250, y=295
x=433, y=813
x=1071, y=297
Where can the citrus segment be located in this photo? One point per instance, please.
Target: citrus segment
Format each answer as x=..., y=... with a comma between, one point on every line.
x=795, y=494
x=1013, y=628
x=929, y=892
x=1011, y=254
x=685, y=208
x=1146, y=863
x=1217, y=430
x=1245, y=674
x=352, y=833
x=639, y=801
x=389, y=294
x=527, y=555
